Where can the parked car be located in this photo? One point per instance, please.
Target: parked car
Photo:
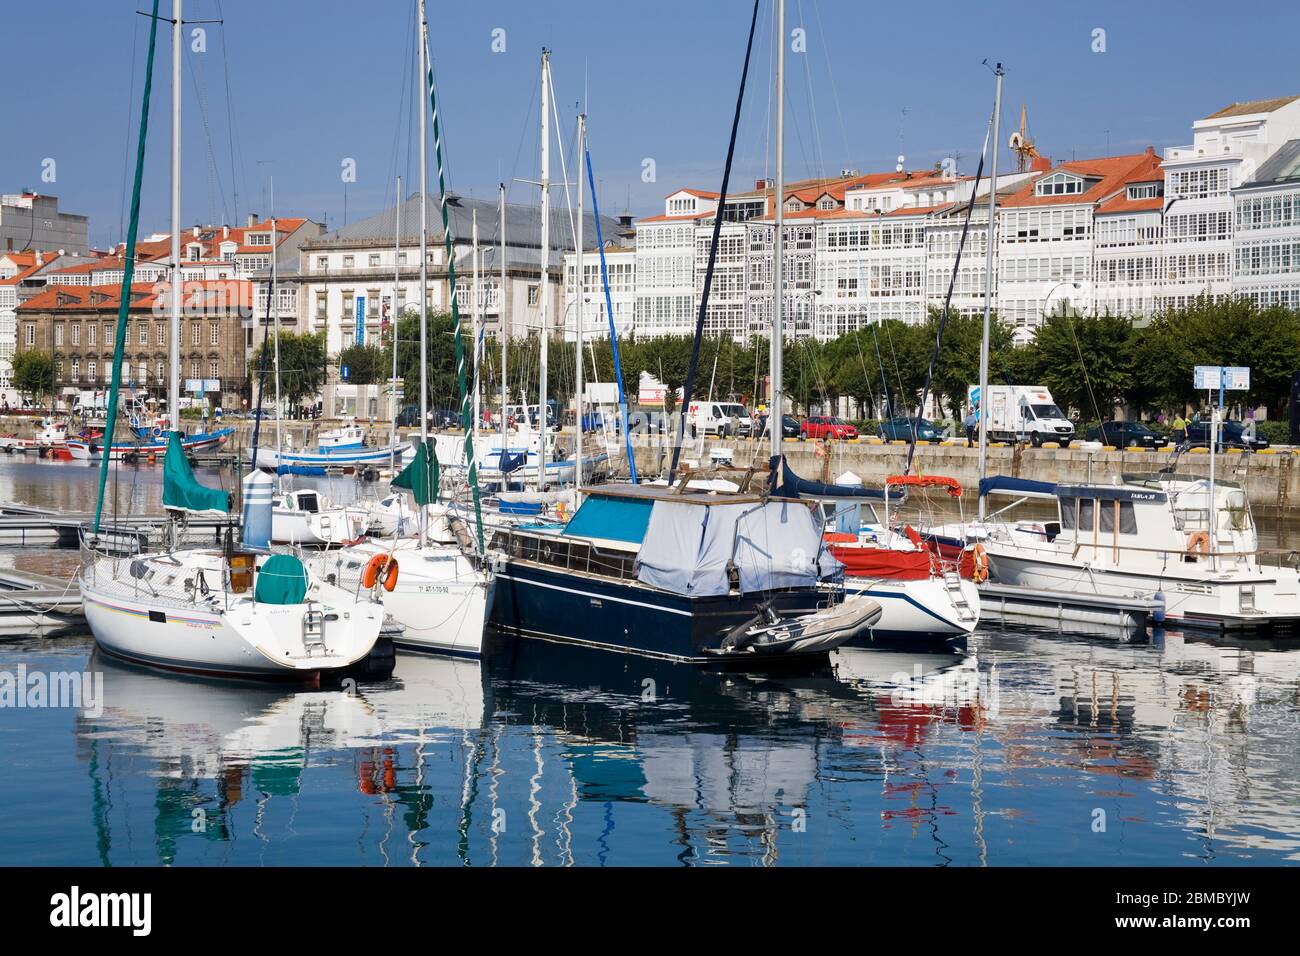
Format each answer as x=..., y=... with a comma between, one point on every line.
x=1126, y=435
x=824, y=426
x=900, y=429
x=1231, y=435
x=789, y=426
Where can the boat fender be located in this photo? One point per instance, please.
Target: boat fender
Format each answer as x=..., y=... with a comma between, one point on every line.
x=980, y=564
x=1158, y=615
x=1198, y=542
x=380, y=566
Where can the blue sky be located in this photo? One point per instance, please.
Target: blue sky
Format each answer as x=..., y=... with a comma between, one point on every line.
x=313, y=84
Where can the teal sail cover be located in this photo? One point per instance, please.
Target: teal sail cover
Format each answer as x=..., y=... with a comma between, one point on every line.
x=182, y=491
x=281, y=580
x=614, y=519
x=420, y=477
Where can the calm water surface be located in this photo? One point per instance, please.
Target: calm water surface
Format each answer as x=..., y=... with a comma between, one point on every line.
x=1033, y=747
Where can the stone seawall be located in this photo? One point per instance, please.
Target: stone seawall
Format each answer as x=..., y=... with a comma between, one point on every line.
x=1272, y=481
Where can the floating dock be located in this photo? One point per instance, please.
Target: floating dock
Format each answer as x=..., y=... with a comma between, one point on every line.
x=31, y=602
x=1015, y=603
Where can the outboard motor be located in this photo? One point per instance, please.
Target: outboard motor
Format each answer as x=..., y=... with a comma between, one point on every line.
x=259, y=490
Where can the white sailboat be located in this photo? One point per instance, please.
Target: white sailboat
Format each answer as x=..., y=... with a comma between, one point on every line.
x=441, y=589
x=212, y=611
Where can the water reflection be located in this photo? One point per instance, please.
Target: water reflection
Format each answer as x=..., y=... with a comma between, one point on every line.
x=551, y=756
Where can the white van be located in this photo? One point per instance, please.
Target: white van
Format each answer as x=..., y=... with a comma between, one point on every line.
x=1020, y=413
x=722, y=419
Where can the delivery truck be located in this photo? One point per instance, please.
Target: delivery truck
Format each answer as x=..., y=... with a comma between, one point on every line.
x=1019, y=413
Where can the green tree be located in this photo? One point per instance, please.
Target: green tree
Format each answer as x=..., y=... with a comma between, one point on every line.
x=33, y=375
x=302, y=365
x=1088, y=362
x=367, y=364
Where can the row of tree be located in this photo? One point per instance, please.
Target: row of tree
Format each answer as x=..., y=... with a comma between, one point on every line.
x=1090, y=364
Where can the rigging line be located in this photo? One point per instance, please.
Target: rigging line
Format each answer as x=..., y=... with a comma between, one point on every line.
x=812, y=105
x=230, y=119
x=564, y=172
x=126, y=136
x=693, y=367
x=1082, y=364
x=835, y=95
x=947, y=301
x=866, y=377
x=403, y=114
x=214, y=175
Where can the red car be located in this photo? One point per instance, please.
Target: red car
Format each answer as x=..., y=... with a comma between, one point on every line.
x=823, y=426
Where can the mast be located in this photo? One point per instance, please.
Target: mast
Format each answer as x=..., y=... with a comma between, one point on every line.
x=397, y=278
x=543, y=290
x=988, y=286
x=174, y=333
x=474, y=324
x=774, y=415
x=580, y=284
x=275, y=313
x=424, y=254
x=503, y=328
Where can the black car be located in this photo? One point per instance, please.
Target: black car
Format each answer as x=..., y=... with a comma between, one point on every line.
x=1231, y=435
x=1126, y=435
x=789, y=426
x=900, y=429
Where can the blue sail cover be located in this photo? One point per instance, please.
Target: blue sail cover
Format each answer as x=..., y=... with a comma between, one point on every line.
x=784, y=483
x=1006, y=485
x=614, y=519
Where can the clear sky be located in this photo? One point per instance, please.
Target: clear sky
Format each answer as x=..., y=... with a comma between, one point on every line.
x=312, y=84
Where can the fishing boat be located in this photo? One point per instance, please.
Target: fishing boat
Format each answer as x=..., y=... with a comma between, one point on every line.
x=674, y=576
x=224, y=611
x=52, y=434
x=1190, y=541
x=92, y=449
x=327, y=457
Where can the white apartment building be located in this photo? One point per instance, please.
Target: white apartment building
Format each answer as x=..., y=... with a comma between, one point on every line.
x=1127, y=248
x=1266, y=238
x=620, y=263
x=1228, y=148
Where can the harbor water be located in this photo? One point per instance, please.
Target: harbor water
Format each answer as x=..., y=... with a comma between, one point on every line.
x=1034, y=746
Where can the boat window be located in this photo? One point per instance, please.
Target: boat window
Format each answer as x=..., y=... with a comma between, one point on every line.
x=1085, y=514
x=1068, y=513
x=308, y=503
x=1127, y=520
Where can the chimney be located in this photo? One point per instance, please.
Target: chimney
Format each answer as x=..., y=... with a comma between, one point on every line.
x=195, y=232
x=252, y=220
x=1151, y=150
x=40, y=259
x=225, y=232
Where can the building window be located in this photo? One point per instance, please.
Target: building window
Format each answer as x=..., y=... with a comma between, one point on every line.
x=349, y=262
x=161, y=329
x=92, y=370
x=323, y=263
x=58, y=335
x=533, y=294
x=347, y=305
x=143, y=373
x=194, y=333
x=374, y=260
x=76, y=370
x=92, y=333
x=214, y=369
x=29, y=336
x=259, y=239
x=194, y=369
x=372, y=303
x=144, y=334
x=322, y=301
x=162, y=372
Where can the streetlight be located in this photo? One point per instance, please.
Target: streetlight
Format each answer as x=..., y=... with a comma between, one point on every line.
x=1024, y=334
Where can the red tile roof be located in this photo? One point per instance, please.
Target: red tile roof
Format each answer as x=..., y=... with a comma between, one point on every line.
x=1110, y=174
x=145, y=296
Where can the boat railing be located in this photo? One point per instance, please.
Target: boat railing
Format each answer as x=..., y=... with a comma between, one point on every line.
x=152, y=580
x=569, y=554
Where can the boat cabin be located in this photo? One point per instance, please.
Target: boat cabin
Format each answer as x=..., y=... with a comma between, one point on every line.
x=303, y=500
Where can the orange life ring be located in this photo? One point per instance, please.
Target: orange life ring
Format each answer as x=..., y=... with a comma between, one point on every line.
x=979, y=564
x=1198, y=542
x=380, y=564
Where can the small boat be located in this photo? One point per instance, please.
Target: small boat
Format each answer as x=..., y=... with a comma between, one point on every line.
x=345, y=438
x=92, y=449
x=272, y=458
x=767, y=633
x=306, y=517
x=53, y=433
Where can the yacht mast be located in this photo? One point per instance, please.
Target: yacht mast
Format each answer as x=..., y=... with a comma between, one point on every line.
x=774, y=414
x=424, y=250
x=392, y=318
x=174, y=333
x=474, y=324
x=988, y=286
x=543, y=290
x=503, y=329
x=580, y=286
x=275, y=317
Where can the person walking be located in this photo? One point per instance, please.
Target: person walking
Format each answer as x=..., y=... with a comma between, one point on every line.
x=1180, y=429
x=972, y=423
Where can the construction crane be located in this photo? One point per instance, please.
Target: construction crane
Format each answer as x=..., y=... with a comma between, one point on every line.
x=1024, y=148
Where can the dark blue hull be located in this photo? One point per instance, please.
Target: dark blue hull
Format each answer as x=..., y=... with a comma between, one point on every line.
x=553, y=604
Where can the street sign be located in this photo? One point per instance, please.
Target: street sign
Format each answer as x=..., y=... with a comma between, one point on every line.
x=343, y=372
x=1229, y=377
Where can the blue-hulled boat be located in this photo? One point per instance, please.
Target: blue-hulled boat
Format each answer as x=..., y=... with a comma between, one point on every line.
x=679, y=576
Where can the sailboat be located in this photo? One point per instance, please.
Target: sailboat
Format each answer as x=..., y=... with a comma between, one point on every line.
x=221, y=611
x=437, y=584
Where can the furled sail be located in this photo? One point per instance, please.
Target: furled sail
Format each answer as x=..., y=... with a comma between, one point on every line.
x=420, y=477
x=182, y=491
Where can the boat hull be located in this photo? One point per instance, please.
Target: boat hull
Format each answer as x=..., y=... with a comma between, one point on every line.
x=533, y=601
x=334, y=458
x=82, y=450
x=920, y=611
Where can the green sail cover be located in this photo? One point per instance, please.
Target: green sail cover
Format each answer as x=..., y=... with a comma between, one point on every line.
x=420, y=477
x=182, y=491
x=281, y=580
